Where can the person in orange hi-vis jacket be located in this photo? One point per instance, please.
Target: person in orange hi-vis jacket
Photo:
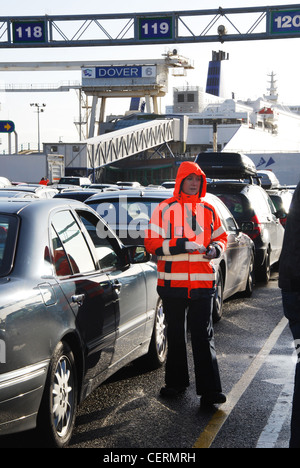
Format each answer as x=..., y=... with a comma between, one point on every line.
x=186, y=234
x=44, y=181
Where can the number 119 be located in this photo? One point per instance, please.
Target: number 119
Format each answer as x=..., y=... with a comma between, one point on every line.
x=157, y=28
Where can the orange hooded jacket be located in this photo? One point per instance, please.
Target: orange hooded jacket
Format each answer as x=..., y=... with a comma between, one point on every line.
x=175, y=221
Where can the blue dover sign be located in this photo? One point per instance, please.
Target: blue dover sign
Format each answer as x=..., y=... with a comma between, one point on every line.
x=119, y=72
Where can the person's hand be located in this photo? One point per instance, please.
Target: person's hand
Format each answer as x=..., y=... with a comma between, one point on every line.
x=191, y=246
x=211, y=253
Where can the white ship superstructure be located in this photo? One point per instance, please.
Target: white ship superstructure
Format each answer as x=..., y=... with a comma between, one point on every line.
x=264, y=129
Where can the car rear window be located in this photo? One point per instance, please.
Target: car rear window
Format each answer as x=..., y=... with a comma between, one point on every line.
x=8, y=239
x=69, y=181
x=125, y=210
x=237, y=204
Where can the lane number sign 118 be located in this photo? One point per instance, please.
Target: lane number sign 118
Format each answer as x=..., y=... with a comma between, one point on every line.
x=285, y=22
x=29, y=31
x=155, y=28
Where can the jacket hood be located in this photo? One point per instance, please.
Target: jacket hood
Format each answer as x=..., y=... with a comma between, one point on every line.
x=185, y=169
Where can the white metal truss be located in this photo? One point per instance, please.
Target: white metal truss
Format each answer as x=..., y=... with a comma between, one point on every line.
x=111, y=147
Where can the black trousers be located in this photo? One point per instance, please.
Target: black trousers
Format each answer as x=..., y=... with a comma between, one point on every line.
x=199, y=313
x=291, y=307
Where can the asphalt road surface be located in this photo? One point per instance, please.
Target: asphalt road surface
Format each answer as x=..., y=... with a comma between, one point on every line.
x=257, y=361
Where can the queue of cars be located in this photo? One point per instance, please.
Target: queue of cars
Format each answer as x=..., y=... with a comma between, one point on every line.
x=78, y=290
x=235, y=181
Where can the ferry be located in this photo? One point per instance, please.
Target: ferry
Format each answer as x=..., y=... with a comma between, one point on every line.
x=264, y=129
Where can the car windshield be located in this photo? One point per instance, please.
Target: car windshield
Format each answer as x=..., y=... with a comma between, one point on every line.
x=8, y=236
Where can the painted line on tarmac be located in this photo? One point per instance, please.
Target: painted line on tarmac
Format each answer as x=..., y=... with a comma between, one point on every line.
x=217, y=421
x=281, y=410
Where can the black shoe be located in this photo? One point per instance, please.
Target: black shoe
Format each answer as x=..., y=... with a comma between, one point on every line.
x=210, y=399
x=171, y=392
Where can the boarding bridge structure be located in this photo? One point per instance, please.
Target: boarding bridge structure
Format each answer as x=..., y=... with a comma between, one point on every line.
x=106, y=149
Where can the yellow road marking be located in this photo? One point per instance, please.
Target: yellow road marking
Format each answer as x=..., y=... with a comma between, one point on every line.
x=213, y=427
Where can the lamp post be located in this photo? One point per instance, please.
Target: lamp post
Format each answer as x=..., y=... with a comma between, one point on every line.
x=39, y=108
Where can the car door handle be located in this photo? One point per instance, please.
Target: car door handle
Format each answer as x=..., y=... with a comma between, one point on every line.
x=117, y=285
x=78, y=298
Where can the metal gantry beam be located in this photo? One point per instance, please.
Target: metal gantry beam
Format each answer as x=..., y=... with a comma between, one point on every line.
x=167, y=27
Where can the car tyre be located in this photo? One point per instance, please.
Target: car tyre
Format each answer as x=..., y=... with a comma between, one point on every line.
x=250, y=280
x=218, y=297
x=57, y=413
x=264, y=272
x=158, y=348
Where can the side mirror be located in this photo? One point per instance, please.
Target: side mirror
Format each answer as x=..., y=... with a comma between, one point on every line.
x=280, y=214
x=247, y=226
x=137, y=254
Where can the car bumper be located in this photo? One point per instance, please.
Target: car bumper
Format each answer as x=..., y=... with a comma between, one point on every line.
x=20, y=396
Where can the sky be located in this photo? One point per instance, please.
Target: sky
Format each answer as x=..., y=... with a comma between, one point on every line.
x=250, y=63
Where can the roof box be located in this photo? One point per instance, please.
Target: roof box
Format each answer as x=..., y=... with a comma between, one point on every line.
x=268, y=179
x=226, y=165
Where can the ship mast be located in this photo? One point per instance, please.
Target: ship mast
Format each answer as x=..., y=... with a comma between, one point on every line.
x=273, y=95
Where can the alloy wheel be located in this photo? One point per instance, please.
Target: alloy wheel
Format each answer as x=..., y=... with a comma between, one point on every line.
x=63, y=396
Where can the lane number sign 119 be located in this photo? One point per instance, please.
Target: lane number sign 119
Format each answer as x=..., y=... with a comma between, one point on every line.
x=155, y=28
x=285, y=22
x=29, y=31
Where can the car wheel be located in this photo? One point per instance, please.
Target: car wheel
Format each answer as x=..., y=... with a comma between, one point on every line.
x=264, y=272
x=58, y=409
x=218, y=297
x=157, y=353
x=250, y=280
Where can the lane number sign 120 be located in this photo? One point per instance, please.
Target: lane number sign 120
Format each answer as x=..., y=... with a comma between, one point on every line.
x=155, y=28
x=29, y=32
x=285, y=22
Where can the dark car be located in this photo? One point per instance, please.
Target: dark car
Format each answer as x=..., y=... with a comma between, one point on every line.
x=248, y=202
x=80, y=195
x=104, y=186
x=256, y=215
x=75, y=306
x=75, y=180
x=129, y=213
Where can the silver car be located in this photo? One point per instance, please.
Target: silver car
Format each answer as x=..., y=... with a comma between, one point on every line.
x=75, y=306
